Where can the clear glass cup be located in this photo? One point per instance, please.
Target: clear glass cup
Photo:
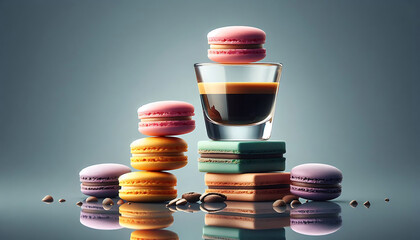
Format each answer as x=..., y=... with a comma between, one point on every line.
x=238, y=100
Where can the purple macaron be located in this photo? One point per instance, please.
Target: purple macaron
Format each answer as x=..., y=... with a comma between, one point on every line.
x=315, y=181
x=316, y=218
x=101, y=180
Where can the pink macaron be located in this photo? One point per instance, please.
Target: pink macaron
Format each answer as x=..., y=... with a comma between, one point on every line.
x=236, y=44
x=166, y=118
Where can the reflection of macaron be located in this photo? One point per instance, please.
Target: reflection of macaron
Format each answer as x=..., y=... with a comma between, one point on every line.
x=153, y=235
x=236, y=44
x=166, y=118
x=254, y=187
x=93, y=215
x=213, y=232
x=158, y=153
x=101, y=180
x=147, y=186
x=145, y=216
x=316, y=218
x=248, y=215
x=316, y=181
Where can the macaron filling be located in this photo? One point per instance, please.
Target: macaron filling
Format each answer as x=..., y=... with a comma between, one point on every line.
x=235, y=46
x=315, y=185
x=158, y=119
x=99, y=183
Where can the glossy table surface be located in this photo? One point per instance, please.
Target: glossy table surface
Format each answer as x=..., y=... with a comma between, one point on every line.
x=30, y=218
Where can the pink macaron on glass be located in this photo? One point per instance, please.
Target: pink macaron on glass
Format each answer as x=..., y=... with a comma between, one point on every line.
x=166, y=118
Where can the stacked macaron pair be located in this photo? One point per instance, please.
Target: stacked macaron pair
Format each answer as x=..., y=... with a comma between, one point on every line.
x=158, y=153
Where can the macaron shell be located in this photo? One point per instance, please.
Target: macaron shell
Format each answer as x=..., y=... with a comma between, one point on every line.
x=148, y=195
x=166, y=128
x=318, y=194
x=106, y=172
x=316, y=226
x=236, y=55
x=158, y=145
x=316, y=173
x=148, y=179
x=166, y=109
x=100, y=221
x=247, y=222
x=236, y=35
x=159, y=163
x=100, y=191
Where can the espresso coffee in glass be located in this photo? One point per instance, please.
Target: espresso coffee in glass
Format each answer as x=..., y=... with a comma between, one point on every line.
x=238, y=100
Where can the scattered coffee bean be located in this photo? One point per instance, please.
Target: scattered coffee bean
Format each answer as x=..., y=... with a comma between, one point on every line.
x=79, y=204
x=91, y=199
x=282, y=209
x=295, y=203
x=172, y=208
x=129, y=203
x=212, y=207
x=107, y=201
x=48, y=199
x=307, y=201
x=213, y=198
x=120, y=202
x=191, y=197
x=289, y=198
x=181, y=202
x=353, y=203
x=61, y=200
x=172, y=202
x=279, y=203
x=367, y=204
x=386, y=199
x=107, y=207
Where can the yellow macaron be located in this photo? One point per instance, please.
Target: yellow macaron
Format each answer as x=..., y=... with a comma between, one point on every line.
x=147, y=186
x=145, y=216
x=158, y=153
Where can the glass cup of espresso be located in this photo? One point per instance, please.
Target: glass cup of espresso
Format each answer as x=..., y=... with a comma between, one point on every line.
x=238, y=100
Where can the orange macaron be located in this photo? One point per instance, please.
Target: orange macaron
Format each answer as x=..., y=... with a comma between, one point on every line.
x=153, y=235
x=158, y=153
x=147, y=186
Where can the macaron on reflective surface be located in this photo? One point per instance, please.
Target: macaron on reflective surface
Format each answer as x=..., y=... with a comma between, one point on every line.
x=145, y=216
x=158, y=153
x=166, y=118
x=236, y=44
x=315, y=181
x=316, y=218
x=101, y=180
x=147, y=186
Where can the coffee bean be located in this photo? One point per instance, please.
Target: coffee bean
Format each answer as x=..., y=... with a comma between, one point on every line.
x=48, y=199
x=212, y=207
x=213, y=198
x=91, y=199
x=128, y=203
x=107, y=201
x=61, y=200
x=367, y=204
x=295, y=203
x=79, y=204
x=386, y=199
x=191, y=197
x=279, y=203
x=181, y=202
x=120, y=202
x=353, y=203
x=172, y=202
x=289, y=198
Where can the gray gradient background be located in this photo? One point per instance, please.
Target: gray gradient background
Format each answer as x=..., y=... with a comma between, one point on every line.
x=73, y=73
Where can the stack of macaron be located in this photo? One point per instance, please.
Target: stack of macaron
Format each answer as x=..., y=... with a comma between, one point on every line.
x=245, y=170
x=157, y=153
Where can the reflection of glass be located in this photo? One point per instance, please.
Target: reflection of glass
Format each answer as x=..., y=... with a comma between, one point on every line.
x=316, y=218
x=246, y=220
x=238, y=100
x=145, y=216
x=94, y=215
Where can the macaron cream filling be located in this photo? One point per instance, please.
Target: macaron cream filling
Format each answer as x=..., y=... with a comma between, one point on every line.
x=235, y=46
x=301, y=184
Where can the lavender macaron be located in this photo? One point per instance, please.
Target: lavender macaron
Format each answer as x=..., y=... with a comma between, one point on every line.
x=316, y=181
x=93, y=215
x=101, y=180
